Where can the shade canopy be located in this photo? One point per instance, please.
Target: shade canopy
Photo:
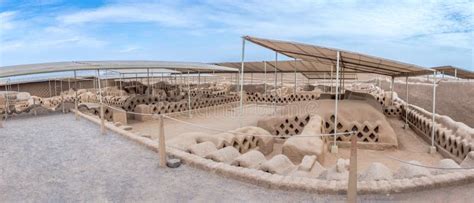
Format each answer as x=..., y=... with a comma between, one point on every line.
x=348, y=60
x=143, y=71
x=455, y=72
x=287, y=66
x=8, y=71
x=328, y=76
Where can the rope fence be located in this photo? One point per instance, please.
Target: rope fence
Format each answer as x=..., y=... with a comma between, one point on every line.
x=168, y=116
x=424, y=166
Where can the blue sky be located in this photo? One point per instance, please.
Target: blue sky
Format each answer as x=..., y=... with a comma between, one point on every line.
x=426, y=33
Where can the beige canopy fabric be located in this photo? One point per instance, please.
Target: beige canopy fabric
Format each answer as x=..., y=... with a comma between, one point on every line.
x=328, y=56
x=455, y=72
x=328, y=76
x=290, y=66
x=16, y=70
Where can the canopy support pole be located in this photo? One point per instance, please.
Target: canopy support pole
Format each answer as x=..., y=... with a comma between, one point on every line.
x=456, y=74
x=199, y=78
x=102, y=122
x=334, y=148
x=76, y=99
x=343, y=90
x=406, y=104
x=433, y=129
x=276, y=83
x=332, y=67
x=120, y=84
x=242, y=67
x=265, y=74
x=281, y=84
x=148, y=82
x=324, y=81
x=62, y=96
x=391, y=91
x=55, y=87
x=189, y=97
x=295, y=78
x=251, y=78
x=49, y=88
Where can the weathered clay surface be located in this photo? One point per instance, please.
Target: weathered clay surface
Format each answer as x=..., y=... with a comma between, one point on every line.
x=377, y=171
x=411, y=171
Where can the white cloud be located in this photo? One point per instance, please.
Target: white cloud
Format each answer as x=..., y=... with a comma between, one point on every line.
x=49, y=38
x=6, y=20
x=129, y=49
x=152, y=13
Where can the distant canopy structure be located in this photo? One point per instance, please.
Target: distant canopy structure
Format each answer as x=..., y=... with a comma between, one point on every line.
x=140, y=66
x=455, y=72
x=324, y=58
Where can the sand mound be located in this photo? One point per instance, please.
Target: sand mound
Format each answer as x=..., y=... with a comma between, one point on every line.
x=251, y=159
x=225, y=155
x=411, y=171
x=445, y=163
x=338, y=172
x=202, y=149
x=279, y=164
x=468, y=162
x=377, y=171
x=185, y=140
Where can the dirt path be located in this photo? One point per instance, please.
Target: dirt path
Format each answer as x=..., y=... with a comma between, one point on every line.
x=56, y=159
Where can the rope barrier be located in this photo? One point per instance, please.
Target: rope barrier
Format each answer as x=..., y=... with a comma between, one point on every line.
x=220, y=130
x=155, y=114
x=430, y=167
x=283, y=136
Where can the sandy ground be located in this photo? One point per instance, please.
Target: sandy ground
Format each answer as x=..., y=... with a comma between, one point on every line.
x=224, y=118
x=411, y=147
x=56, y=159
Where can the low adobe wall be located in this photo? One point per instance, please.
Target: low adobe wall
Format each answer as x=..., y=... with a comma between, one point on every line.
x=261, y=178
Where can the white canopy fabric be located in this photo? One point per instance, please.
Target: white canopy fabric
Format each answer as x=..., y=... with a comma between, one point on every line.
x=348, y=60
x=16, y=70
x=455, y=72
x=143, y=71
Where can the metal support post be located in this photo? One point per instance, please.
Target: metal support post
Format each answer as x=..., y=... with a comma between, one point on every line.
x=433, y=129
x=392, y=94
x=334, y=148
x=189, y=97
x=406, y=104
x=242, y=67
x=265, y=74
x=294, y=92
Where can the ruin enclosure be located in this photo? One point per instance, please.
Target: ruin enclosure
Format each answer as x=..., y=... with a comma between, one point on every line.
x=332, y=135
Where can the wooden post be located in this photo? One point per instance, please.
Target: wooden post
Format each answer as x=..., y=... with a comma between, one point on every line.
x=162, y=146
x=352, y=184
